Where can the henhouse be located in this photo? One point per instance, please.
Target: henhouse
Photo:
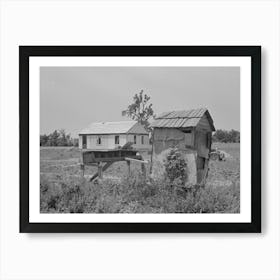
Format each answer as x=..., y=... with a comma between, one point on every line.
x=112, y=135
x=191, y=132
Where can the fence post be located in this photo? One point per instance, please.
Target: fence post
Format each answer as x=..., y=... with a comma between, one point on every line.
x=143, y=168
x=100, y=173
x=128, y=166
x=82, y=169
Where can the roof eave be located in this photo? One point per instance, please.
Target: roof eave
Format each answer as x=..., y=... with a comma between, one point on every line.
x=114, y=133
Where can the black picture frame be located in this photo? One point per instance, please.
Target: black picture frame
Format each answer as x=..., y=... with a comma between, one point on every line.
x=25, y=52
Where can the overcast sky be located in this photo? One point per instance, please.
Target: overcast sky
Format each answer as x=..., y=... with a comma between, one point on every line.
x=73, y=97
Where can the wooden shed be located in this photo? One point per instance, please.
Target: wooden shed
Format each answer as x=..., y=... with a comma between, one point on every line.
x=191, y=132
x=111, y=135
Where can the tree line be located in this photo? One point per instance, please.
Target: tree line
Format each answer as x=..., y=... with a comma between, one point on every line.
x=58, y=138
x=226, y=136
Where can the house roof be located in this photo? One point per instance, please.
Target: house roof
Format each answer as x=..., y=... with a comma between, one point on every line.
x=121, y=127
x=182, y=119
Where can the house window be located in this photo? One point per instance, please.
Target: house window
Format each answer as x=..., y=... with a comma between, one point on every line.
x=117, y=139
x=98, y=140
x=84, y=142
x=134, y=139
x=142, y=139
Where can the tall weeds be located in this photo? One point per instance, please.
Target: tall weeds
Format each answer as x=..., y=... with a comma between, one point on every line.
x=134, y=194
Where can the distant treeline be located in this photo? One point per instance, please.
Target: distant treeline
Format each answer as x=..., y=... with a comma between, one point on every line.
x=58, y=138
x=226, y=136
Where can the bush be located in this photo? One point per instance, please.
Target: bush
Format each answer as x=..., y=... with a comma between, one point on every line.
x=175, y=167
x=225, y=136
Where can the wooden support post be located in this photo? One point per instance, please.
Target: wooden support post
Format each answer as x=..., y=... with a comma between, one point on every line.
x=100, y=172
x=82, y=169
x=152, y=153
x=143, y=168
x=106, y=166
x=128, y=166
x=205, y=172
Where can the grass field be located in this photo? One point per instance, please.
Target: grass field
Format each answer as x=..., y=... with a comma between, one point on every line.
x=63, y=190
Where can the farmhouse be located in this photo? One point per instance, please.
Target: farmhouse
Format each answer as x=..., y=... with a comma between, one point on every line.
x=191, y=132
x=112, y=135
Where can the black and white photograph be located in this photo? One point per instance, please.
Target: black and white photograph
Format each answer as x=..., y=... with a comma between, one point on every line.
x=140, y=139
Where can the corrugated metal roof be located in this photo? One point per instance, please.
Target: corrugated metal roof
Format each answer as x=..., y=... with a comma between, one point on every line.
x=194, y=113
x=181, y=119
x=109, y=127
x=176, y=123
